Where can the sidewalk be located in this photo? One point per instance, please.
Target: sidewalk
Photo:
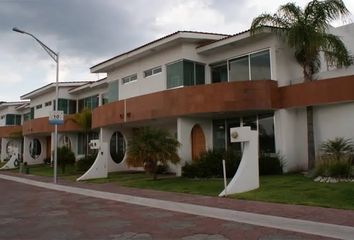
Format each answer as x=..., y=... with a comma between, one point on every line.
x=222, y=206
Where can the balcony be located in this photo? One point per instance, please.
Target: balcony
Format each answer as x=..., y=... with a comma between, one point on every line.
x=10, y=131
x=41, y=126
x=210, y=98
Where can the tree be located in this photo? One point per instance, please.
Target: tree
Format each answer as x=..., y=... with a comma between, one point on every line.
x=65, y=157
x=306, y=31
x=151, y=147
x=84, y=120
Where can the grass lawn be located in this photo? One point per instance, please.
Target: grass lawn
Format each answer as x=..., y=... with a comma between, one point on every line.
x=297, y=189
x=289, y=188
x=211, y=187
x=47, y=171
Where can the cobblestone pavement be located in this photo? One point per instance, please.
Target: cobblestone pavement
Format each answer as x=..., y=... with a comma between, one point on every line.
x=28, y=212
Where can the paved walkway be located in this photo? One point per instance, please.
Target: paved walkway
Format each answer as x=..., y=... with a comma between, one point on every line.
x=205, y=206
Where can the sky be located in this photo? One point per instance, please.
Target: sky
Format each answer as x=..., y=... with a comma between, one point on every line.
x=87, y=32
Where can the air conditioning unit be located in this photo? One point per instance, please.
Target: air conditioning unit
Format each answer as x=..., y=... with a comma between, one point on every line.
x=94, y=144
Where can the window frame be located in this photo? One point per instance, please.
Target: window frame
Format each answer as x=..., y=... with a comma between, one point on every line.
x=152, y=71
x=228, y=60
x=129, y=78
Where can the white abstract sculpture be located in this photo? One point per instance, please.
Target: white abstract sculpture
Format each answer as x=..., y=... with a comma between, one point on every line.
x=99, y=167
x=13, y=162
x=247, y=175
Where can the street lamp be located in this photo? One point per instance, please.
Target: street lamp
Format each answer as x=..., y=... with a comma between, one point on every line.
x=55, y=57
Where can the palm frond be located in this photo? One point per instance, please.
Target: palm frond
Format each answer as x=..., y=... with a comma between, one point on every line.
x=335, y=50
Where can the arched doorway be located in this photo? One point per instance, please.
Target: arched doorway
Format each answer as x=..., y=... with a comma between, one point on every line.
x=198, y=141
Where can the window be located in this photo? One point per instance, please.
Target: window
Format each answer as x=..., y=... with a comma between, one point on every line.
x=260, y=65
x=185, y=73
x=219, y=72
x=27, y=116
x=68, y=106
x=264, y=123
x=266, y=133
x=130, y=78
x=152, y=71
x=82, y=145
x=89, y=102
x=39, y=106
x=13, y=119
x=117, y=147
x=48, y=104
x=32, y=113
x=254, y=66
x=112, y=93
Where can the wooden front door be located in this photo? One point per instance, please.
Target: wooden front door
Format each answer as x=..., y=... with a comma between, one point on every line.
x=198, y=141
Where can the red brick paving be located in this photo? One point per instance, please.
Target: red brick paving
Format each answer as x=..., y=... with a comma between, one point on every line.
x=28, y=212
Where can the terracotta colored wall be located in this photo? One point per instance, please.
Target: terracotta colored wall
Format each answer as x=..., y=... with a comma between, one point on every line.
x=41, y=126
x=219, y=97
x=6, y=131
x=318, y=92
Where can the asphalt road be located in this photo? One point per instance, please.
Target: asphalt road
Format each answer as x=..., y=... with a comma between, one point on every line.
x=28, y=212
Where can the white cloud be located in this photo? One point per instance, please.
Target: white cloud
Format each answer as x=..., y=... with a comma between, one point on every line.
x=188, y=15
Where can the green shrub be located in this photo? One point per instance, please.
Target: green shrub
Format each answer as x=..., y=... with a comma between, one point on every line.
x=270, y=165
x=84, y=164
x=335, y=158
x=65, y=157
x=46, y=160
x=209, y=164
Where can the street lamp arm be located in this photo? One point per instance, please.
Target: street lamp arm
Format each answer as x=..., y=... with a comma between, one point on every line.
x=50, y=52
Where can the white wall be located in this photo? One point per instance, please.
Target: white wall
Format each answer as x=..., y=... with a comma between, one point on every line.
x=336, y=120
x=291, y=137
x=4, y=141
x=46, y=97
x=26, y=153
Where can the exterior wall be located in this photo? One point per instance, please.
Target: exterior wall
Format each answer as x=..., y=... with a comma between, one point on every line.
x=4, y=141
x=26, y=150
x=335, y=120
x=219, y=97
x=291, y=138
x=155, y=82
x=46, y=97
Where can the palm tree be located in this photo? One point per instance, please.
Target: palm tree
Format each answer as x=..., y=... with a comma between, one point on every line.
x=306, y=31
x=84, y=120
x=150, y=147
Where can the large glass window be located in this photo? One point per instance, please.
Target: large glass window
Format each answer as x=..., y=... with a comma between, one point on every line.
x=266, y=133
x=185, y=73
x=219, y=73
x=255, y=66
x=89, y=103
x=174, y=74
x=13, y=119
x=83, y=141
x=112, y=93
x=68, y=106
x=239, y=69
x=219, y=134
x=260, y=65
x=35, y=148
x=117, y=147
x=264, y=123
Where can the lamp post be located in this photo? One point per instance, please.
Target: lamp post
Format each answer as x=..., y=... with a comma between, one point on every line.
x=55, y=57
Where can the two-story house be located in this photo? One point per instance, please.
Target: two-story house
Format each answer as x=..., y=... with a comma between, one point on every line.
x=199, y=85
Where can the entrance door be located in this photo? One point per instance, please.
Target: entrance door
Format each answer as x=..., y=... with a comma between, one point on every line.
x=198, y=141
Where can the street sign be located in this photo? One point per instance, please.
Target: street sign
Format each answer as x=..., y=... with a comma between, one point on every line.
x=56, y=117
